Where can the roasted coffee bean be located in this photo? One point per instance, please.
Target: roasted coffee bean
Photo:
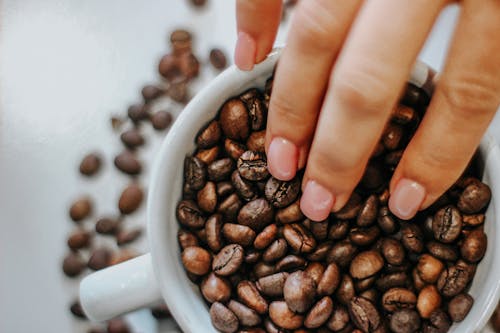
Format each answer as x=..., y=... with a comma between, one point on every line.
x=364, y=314
x=220, y=169
x=392, y=136
x=429, y=268
x=230, y=207
x=459, y=306
x=180, y=40
x=447, y=224
x=137, y=112
x=474, y=246
x=215, y=288
x=228, y=260
x=99, y=258
x=243, y=187
x=339, y=319
x=470, y=268
x=234, y=120
x=256, y=214
x=128, y=236
x=438, y=323
x=195, y=173
x=315, y=270
x=275, y=251
x=393, y=251
x=342, y=253
x=161, y=120
x=368, y=213
x=282, y=193
x=329, y=280
x=238, y=234
x=412, y=238
x=299, y=291
x=189, y=65
x=234, y=149
x=351, y=208
x=209, y=136
x=250, y=296
x=404, y=321
x=217, y=57
x=266, y=237
x=473, y=220
x=392, y=159
x=495, y=320
x=338, y=230
x=168, y=67
x=224, y=189
x=404, y=115
x=319, y=313
x=371, y=294
x=79, y=239
x=272, y=285
x=130, y=199
x=223, y=319
x=252, y=256
x=127, y=162
x=161, y=312
x=256, y=109
x=442, y=251
x=364, y=236
x=207, y=197
x=398, y=298
x=246, y=316
x=474, y=198
x=190, y=215
x=77, y=310
x=132, y=138
x=453, y=280
x=262, y=269
x=256, y=141
x=345, y=291
x=320, y=252
x=290, y=214
x=253, y=166
x=282, y=316
x=320, y=229
x=386, y=221
x=197, y=260
x=213, y=228
x=117, y=325
x=80, y=209
x=73, y=265
x=373, y=179
x=366, y=264
x=90, y=164
x=391, y=280
x=122, y=255
x=151, y=92
x=178, y=91
x=290, y=262
x=299, y=238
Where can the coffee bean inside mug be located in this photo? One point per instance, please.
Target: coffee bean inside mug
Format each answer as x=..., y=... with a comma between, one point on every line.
x=261, y=266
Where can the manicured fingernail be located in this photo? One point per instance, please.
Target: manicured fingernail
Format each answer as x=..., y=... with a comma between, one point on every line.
x=244, y=54
x=406, y=199
x=282, y=159
x=316, y=202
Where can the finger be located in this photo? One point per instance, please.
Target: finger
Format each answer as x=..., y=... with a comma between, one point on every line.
x=365, y=84
x=257, y=22
x=316, y=34
x=465, y=100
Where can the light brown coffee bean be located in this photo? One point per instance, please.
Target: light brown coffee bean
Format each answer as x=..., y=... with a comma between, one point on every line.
x=272, y=285
x=339, y=319
x=282, y=316
x=299, y=238
x=80, y=209
x=223, y=319
x=266, y=237
x=315, y=270
x=207, y=197
x=299, y=291
x=234, y=149
x=196, y=260
x=180, y=40
x=130, y=199
x=256, y=141
x=215, y=289
x=453, y=280
x=73, y=265
x=262, y=269
x=473, y=220
x=186, y=239
x=213, y=228
x=128, y=236
x=209, y=136
x=366, y=264
x=228, y=260
x=428, y=301
x=319, y=313
x=290, y=262
x=99, y=258
x=250, y=296
x=238, y=234
x=107, y=226
x=79, y=239
x=429, y=268
x=90, y=164
x=393, y=251
x=209, y=155
x=132, y=138
x=127, y=162
x=398, y=298
x=246, y=316
x=329, y=280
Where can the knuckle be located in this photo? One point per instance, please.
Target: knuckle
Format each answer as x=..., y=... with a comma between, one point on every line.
x=315, y=21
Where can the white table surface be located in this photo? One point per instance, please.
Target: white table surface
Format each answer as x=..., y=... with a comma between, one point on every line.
x=65, y=66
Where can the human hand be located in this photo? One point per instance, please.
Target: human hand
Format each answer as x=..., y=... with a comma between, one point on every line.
x=341, y=73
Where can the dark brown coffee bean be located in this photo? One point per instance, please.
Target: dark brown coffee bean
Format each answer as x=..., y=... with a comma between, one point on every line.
x=217, y=56
x=132, y=138
x=224, y=189
x=474, y=198
x=282, y=316
x=398, y=298
x=250, y=296
x=246, y=316
x=79, y=239
x=320, y=252
x=90, y=164
x=272, y=285
x=371, y=294
x=209, y=136
x=282, y=193
x=234, y=120
x=299, y=291
x=338, y=230
x=393, y=136
x=412, y=237
x=299, y=238
x=117, y=325
x=470, y=268
x=266, y=237
x=439, y=321
x=364, y=236
x=230, y=207
x=161, y=312
x=403, y=115
x=137, y=112
x=220, y=169
x=342, y=253
x=290, y=214
x=77, y=310
x=80, y=209
x=195, y=173
x=386, y=220
x=315, y=270
x=213, y=228
x=73, y=264
x=368, y=212
x=365, y=284
x=319, y=313
x=404, y=321
x=151, y=92
x=290, y=262
x=391, y=280
x=329, y=280
x=256, y=214
x=256, y=141
x=99, y=258
x=275, y=251
x=339, y=319
x=364, y=314
x=190, y=215
x=169, y=67
x=127, y=162
x=442, y=251
x=262, y=269
x=252, y=256
x=223, y=319
x=243, y=187
x=453, y=280
x=256, y=109
x=351, y=208
x=207, y=197
x=459, y=306
x=393, y=251
x=130, y=199
x=228, y=260
x=253, y=166
x=474, y=246
x=181, y=40
x=197, y=260
x=473, y=220
x=429, y=268
x=319, y=229
x=366, y=264
x=234, y=149
x=161, y=120
x=447, y=224
x=215, y=289
x=238, y=234
x=128, y=236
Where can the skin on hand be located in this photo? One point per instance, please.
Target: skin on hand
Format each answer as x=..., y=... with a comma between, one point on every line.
x=340, y=75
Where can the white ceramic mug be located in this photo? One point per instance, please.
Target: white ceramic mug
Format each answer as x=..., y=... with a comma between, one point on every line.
x=160, y=274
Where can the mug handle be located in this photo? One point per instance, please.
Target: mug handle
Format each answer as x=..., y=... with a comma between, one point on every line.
x=119, y=289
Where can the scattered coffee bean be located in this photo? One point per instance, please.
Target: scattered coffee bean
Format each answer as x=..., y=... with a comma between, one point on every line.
x=128, y=163
x=117, y=325
x=132, y=138
x=76, y=310
x=99, y=258
x=130, y=199
x=218, y=58
x=122, y=255
x=161, y=120
x=80, y=209
x=319, y=313
x=180, y=40
x=73, y=265
x=127, y=236
x=137, y=112
x=107, y=226
x=150, y=92
x=79, y=239
x=161, y=312
x=90, y=164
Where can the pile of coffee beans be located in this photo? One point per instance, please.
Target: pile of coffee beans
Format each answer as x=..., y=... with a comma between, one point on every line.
x=261, y=266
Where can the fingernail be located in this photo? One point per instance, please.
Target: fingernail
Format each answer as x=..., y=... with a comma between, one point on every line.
x=316, y=202
x=406, y=199
x=282, y=159
x=244, y=54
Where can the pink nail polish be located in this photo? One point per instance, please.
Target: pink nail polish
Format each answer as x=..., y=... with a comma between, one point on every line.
x=316, y=202
x=282, y=159
x=406, y=199
x=244, y=53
